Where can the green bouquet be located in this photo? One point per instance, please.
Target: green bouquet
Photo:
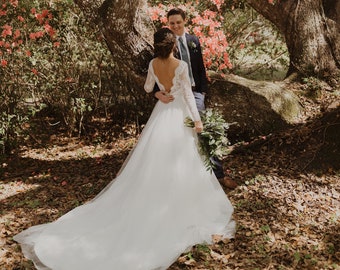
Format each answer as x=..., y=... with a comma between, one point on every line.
x=212, y=141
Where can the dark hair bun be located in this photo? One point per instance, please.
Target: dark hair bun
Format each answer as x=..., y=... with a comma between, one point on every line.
x=164, y=41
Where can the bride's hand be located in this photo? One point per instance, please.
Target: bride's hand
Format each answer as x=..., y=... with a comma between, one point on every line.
x=164, y=97
x=198, y=126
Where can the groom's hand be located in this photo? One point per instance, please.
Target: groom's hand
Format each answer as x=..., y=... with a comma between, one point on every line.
x=164, y=97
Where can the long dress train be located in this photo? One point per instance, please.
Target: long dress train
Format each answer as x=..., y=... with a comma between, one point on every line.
x=162, y=202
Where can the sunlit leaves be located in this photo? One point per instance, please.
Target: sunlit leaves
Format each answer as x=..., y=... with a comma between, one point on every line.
x=21, y=27
x=212, y=141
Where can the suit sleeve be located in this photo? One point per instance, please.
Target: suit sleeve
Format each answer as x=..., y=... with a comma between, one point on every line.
x=156, y=88
x=201, y=68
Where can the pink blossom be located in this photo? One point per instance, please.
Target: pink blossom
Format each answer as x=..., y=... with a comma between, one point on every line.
x=36, y=35
x=217, y=3
x=222, y=66
x=39, y=17
x=14, y=3
x=45, y=13
x=35, y=72
x=3, y=62
x=49, y=30
x=32, y=36
x=7, y=30
x=17, y=34
x=164, y=20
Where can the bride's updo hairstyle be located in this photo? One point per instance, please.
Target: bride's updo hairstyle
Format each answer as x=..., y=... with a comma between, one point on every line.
x=164, y=41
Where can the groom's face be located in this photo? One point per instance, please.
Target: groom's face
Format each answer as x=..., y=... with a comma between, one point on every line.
x=177, y=24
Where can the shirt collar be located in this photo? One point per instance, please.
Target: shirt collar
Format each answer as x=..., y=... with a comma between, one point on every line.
x=183, y=36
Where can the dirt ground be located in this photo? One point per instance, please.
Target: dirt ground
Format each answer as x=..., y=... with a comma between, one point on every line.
x=287, y=203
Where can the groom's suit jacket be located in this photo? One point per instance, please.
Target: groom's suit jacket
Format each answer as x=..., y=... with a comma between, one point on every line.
x=197, y=65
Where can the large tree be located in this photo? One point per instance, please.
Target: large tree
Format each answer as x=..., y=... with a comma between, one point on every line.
x=312, y=33
x=128, y=32
x=311, y=29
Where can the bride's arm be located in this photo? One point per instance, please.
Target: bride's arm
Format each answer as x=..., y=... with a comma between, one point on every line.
x=190, y=99
x=150, y=80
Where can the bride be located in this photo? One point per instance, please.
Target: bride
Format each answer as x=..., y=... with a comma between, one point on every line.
x=163, y=201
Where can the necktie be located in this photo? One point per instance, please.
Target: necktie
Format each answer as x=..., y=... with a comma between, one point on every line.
x=185, y=57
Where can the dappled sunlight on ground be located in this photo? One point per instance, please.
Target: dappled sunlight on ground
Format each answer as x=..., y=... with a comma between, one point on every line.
x=12, y=188
x=73, y=149
x=287, y=203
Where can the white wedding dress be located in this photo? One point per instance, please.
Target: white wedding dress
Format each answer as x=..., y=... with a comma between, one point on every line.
x=162, y=202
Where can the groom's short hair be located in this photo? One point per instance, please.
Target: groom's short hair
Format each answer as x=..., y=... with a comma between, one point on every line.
x=176, y=11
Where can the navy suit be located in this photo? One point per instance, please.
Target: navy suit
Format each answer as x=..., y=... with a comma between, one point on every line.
x=197, y=65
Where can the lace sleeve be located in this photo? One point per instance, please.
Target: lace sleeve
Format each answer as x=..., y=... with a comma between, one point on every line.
x=150, y=80
x=188, y=95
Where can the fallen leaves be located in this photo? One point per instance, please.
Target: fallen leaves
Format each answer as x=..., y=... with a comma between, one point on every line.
x=287, y=213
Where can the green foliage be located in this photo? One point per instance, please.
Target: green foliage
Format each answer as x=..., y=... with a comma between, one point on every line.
x=256, y=48
x=67, y=76
x=10, y=128
x=212, y=141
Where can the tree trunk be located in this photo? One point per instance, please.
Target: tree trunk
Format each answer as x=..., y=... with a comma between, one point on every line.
x=312, y=32
x=128, y=33
x=255, y=107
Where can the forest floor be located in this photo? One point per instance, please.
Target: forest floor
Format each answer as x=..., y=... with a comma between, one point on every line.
x=287, y=203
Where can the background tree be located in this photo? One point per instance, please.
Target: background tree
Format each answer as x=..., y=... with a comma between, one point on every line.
x=312, y=33
x=56, y=73
x=128, y=32
x=310, y=28
x=74, y=78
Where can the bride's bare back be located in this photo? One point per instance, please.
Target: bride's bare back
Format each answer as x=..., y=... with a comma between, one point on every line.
x=164, y=69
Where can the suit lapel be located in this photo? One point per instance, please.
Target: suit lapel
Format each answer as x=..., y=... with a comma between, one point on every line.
x=189, y=40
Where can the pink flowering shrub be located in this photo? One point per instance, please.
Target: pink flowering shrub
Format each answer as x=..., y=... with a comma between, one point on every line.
x=206, y=22
x=234, y=38
x=21, y=28
x=45, y=67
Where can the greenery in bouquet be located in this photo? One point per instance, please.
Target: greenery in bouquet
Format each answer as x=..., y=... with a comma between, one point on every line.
x=212, y=141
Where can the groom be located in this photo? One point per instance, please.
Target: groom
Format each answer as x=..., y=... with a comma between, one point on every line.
x=189, y=50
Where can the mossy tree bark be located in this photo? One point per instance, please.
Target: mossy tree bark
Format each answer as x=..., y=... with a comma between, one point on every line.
x=312, y=32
